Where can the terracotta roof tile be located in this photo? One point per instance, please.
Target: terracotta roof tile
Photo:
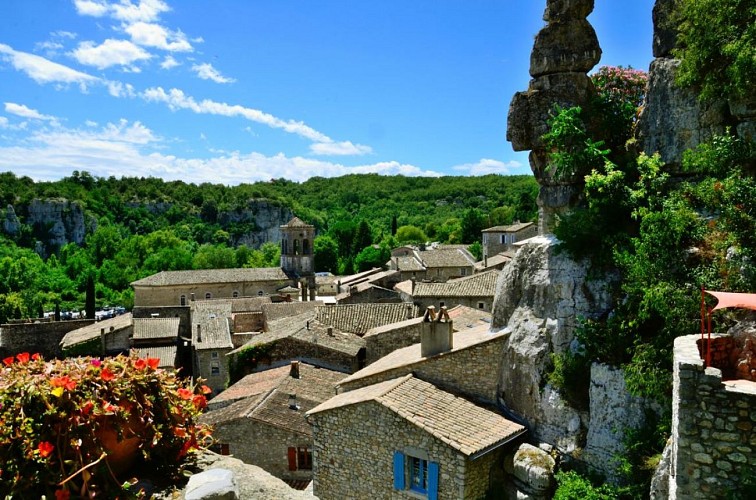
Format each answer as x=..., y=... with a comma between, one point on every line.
x=477, y=285
x=166, y=354
x=513, y=228
x=464, y=426
x=281, y=310
x=156, y=328
x=359, y=318
x=168, y=278
x=92, y=331
x=454, y=257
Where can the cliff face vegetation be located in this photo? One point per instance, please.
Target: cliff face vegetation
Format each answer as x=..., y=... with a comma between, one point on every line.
x=649, y=190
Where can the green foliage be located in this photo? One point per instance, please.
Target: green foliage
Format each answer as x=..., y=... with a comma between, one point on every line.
x=410, y=234
x=639, y=459
x=717, y=47
x=476, y=249
x=326, y=254
x=573, y=152
x=371, y=257
x=245, y=361
x=472, y=224
x=571, y=376
x=572, y=486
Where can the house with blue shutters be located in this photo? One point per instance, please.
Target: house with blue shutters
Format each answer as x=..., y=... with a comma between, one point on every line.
x=405, y=438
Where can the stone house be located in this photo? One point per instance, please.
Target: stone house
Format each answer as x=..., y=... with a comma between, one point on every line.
x=414, y=440
x=383, y=340
x=268, y=427
x=436, y=264
x=368, y=293
x=476, y=291
x=178, y=288
x=303, y=338
x=497, y=261
x=159, y=338
x=359, y=318
x=498, y=239
x=211, y=341
x=89, y=338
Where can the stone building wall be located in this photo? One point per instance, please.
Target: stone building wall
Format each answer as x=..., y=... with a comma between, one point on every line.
x=43, y=338
x=713, y=439
x=354, y=461
x=471, y=372
x=373, y=295
x=384, y=342
x=205, y=359
x=248, y=322
x=265, y=446
x=287, y=349
x=171, y=294
x=451, y=302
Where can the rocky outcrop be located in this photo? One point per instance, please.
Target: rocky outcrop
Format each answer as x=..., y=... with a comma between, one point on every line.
x=563, y=52
x=266, y=216
x=55, y=223
x=532, y=471
x=540, y=297
x=11, y=224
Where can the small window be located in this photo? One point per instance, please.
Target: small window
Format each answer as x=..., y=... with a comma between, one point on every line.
x=182, y=300
x=462, y=271
x=260, y=293
x=208, y=295
x=481, y=305
x=235, y=294
x=214, y=355
x=214, y=368
x=300, y=458
x=503, y=239
x=418, y=474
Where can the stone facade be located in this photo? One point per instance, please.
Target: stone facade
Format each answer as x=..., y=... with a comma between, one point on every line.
x=296, y=247
x=248, y=322
x=386, y=339
x=713, y=439
x=470, y=371
x=43, y=337
x=356, y=462
x=501, y=238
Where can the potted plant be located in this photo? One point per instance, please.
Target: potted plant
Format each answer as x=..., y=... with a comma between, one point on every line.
x=74, y=427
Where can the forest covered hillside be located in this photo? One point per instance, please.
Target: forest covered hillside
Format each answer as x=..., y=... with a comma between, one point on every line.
x=56, y=235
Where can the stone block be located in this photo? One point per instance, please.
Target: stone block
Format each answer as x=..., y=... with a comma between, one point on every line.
x=565, y=47
x=534, y=467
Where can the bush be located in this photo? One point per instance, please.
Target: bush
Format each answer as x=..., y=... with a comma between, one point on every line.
x=573, y=486
x=60, y=420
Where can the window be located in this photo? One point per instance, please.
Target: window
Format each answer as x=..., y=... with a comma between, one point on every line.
x=260, y=293
x=215, y=368
x=481, y=305
x=462, y=271
x=214, y=354
x=305, y=247
x=235, y=294
x=416, y=473
x=503, y=239
x=182, y=300
x=300, y=458
x=208, y=295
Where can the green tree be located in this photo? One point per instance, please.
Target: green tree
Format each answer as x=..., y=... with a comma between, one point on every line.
x=214, y=257
x=410, y=234
x=370, y=257
x=472, y=224
x=326, y=254
x=717, y=47
x=363, y=237
x=11, y=307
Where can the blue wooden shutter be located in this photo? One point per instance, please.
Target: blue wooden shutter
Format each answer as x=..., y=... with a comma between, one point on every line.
x=398, y=470
x=432, y=480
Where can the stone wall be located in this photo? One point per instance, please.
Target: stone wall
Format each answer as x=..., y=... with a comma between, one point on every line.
x=248, y=322
x=486, y=301
x=43, y=338
x=384, y=340
x=204, y=360
x=355, y=461
x=288, y=349
x=471, y=372
x=713, y=439
x=372, y=295
x=265, y=446
x=145, y=296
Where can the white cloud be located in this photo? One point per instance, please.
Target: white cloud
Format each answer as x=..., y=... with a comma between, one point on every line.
x=49, y=46
x=110, y=53
x=486, y=166
x=128, y=148
x=42, y=70
x=207, y=72
x=90, y=123
x=3, y=122
x=343, y=148
x=176, y=99
x=124, y=10
x=94, y=8
x=26, y=112
x=154, y=35
x=119, y=89
x=169, y=62
x=64, y=34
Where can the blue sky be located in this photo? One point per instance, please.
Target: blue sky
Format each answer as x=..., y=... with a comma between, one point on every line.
x=246, y=90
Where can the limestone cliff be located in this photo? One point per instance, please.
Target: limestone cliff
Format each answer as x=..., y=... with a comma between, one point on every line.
x=267, y=218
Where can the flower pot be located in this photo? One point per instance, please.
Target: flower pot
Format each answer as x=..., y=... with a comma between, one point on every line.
x=121, y=453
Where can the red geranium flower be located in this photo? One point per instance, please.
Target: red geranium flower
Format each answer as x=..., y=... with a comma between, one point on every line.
x=199, y=401
x=45, y=449
x=9, y=360
x=107, y=375
x=153, y=363
x=184, y=393
x=205, y=389
x=36, y=356
x=23, y=357
x=64, y=381
x=140, y=364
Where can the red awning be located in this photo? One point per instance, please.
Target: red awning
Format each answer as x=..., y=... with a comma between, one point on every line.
x=728, y=299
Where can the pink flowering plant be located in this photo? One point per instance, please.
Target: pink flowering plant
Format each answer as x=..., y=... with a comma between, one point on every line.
x=620, y=95
x=62, y=422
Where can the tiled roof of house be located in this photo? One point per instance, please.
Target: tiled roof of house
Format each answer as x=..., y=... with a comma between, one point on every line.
x=408, y=264
x=305, y=328
x=477, y=285
x=359, y=318
x=411, y=355
x=297, y=222
x=210, y=309
x=215, y=334
x=198, y=276
x=362, y=288
x=464, y=317
x=454, y=257
x=495, y=261
x=359, y=277
x=92, y=331
x=513, y=228
x=392, y=326
x=466, y=427
x=275, y=311
x=313, y=386
x=155, y=328
x=248, y=304
x=251, y=385
x=166, y=354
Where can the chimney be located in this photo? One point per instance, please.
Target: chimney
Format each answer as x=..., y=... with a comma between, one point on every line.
x=436, y=332
x=294, y=371
x=485, y=260
x=307, y=325
x=293, y=401
x=199, y=332
x=330, y=331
